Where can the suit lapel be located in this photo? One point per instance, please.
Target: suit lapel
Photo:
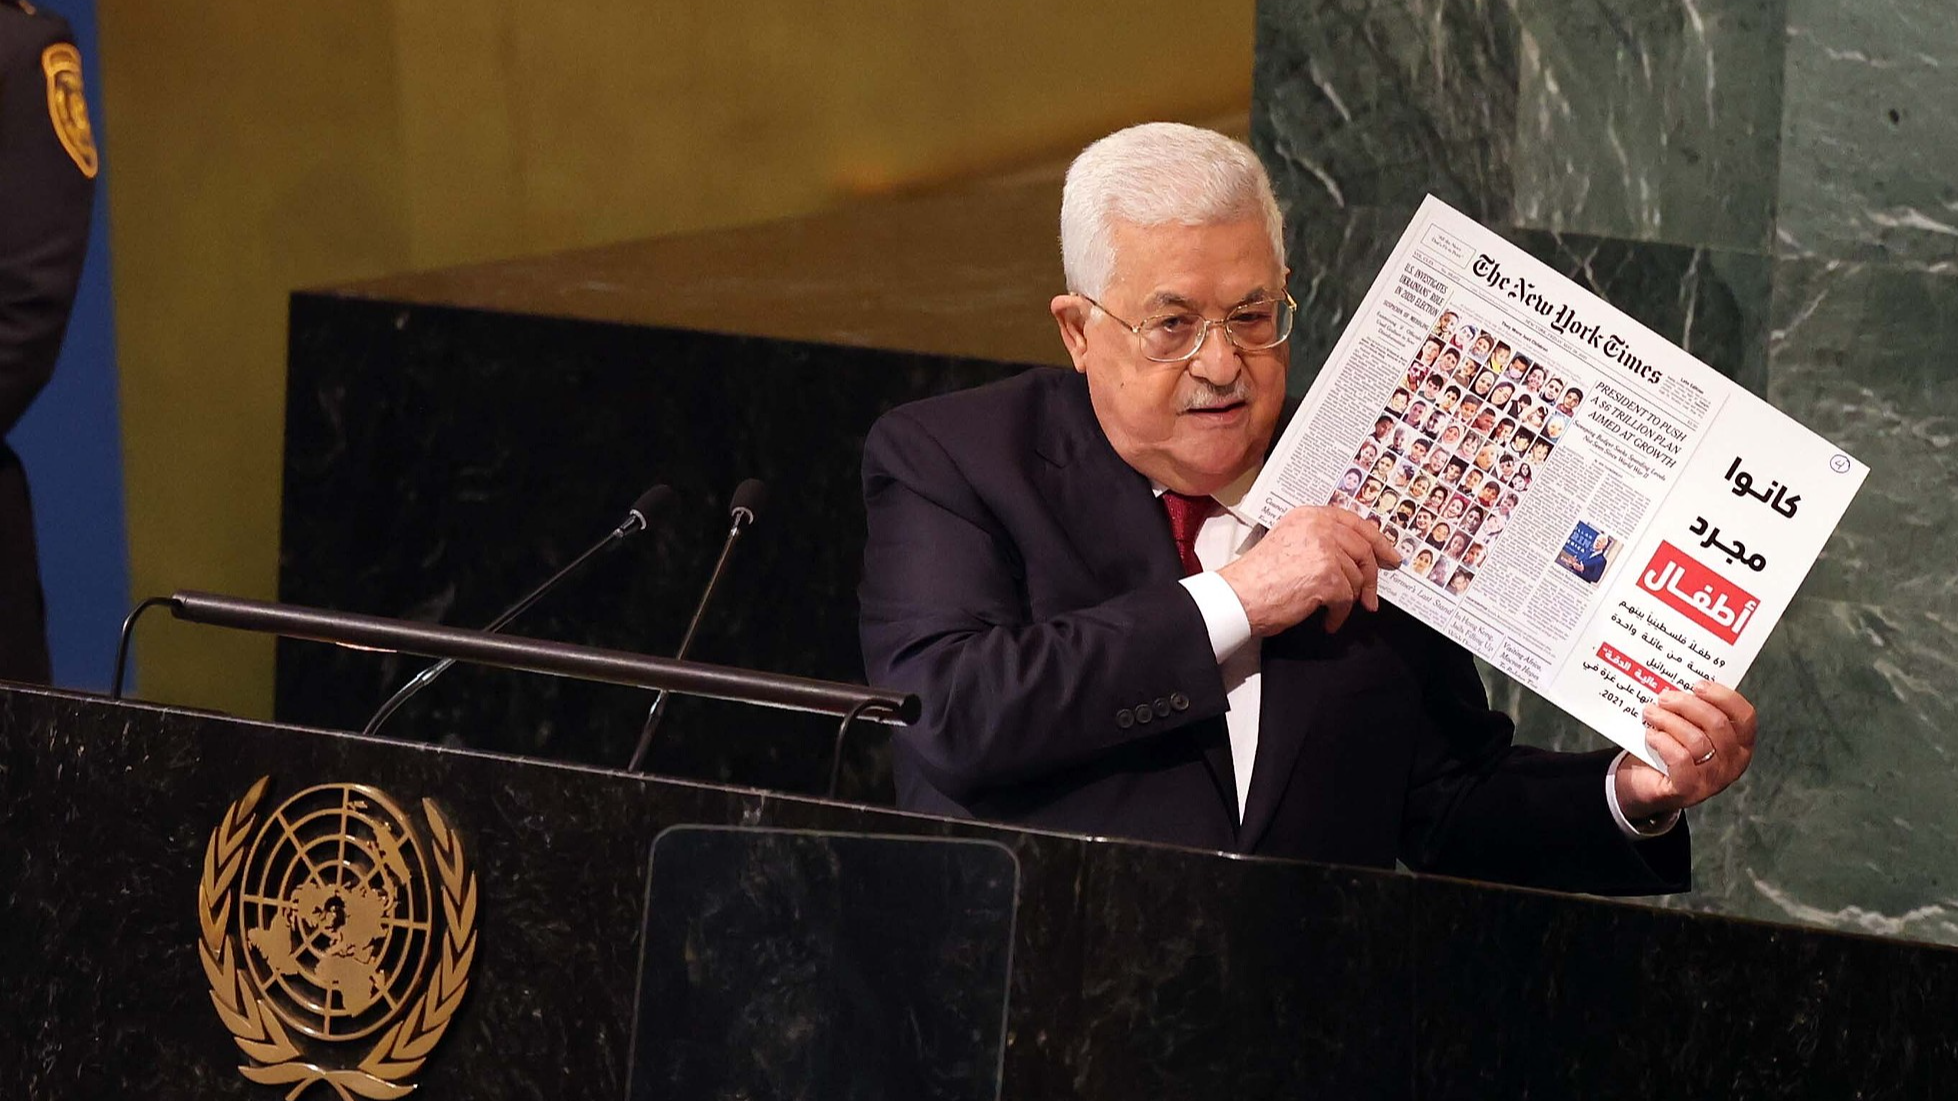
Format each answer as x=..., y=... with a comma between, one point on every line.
x=1116, y=525
x=1288, y=697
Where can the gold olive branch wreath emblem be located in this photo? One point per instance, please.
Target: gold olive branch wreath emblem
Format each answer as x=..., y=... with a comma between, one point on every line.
x=403, y=1048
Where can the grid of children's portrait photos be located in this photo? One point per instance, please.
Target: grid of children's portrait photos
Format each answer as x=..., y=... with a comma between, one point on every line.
x=1461, y=440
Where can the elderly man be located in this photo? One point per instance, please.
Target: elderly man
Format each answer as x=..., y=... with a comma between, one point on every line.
x=1060, y=565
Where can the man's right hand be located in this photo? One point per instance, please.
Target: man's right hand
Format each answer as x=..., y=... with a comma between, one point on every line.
x=1314, y=557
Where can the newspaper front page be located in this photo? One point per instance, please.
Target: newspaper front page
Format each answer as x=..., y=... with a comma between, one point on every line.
x=1576, y=500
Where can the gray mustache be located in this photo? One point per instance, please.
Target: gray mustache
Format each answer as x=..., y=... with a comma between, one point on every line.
x=1209, y=395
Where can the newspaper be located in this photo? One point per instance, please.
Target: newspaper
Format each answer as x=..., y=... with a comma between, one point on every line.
x=1576, y=500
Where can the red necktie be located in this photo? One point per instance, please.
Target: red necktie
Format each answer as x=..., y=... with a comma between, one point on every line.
x=1186, y=516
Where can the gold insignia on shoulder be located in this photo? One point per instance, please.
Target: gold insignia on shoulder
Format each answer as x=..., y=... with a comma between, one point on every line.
x=326, y=926
x=62, y=63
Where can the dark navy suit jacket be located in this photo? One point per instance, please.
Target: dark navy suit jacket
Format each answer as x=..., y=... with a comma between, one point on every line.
x=1021, y=579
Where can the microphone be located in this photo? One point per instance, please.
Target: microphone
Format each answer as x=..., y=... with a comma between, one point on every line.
x=741, y=510
x=637, y=519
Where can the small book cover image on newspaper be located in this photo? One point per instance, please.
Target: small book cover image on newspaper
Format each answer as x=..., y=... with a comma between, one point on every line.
x=1575, y=499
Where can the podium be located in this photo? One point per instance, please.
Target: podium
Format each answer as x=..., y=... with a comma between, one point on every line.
x=512, y=928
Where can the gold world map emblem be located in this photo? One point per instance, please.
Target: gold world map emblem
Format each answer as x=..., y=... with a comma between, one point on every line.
x=322, y=918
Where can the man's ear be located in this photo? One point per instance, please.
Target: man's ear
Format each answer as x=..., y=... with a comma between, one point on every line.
x=1071, y=313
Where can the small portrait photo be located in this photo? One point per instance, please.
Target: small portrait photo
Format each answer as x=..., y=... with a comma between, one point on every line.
x=1392, y=533
x=1483, y=345
x=1421, y=486
x=1518, y=366
x=1451, y=437
x=1437, y=497
x=1508, y=503
x=1553, y=426
x=1382, y=466
x=1500, y=396
x=1436, y=418
x=1457, y=544
x=1540, y=451
x=1430, y=348
x=1437, y=462
x=1445, y=324
x=1404, y=512
x=1506, y=466
x=1455, y=509
x=1534, y=419
x=1553, y=389
x=1471, y=521
x=1458, y=582
x=1452, y=473
x=1499, y=358
x=1464, y=335
x=1523, y=404
x=1505, y=428
x=1534, y=378
x=1417, y=411
x=1485, y=421
x=1407, y=545
x=1521, y=441
x=1431, y=387
x=1369, y=494
x=1521, y=483
x=1471, y=405
x=1403, y=474
x=1568, y=404
x=1493, y=526
x=1439, y=533
x=1476, y=552
x=1486, y=496
x=1471, y=479
x=1369, y=451
x=1417, y=450
x=1383, y=427
x=1472, y=443
x=1439, y=575
x=1349, y=483
x=1484, y=382
x=1587, y=553
x=1450, y=364
x=1485, y=459
x=1388, y=499
x=1450, y=399
x=1340, y=500
x=1424, y=562
x=1398, y=403
x=1424, y=520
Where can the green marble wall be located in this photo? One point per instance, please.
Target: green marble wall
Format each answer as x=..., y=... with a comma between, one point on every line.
x=1774, y=185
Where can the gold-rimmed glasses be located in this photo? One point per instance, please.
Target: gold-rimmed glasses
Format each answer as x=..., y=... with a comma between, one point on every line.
x=1178, y=335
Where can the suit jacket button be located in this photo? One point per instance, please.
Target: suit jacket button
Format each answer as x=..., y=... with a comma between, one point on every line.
x=1143, y=714
x=1178, y=701
x=1162, y=707
x=1124, y=718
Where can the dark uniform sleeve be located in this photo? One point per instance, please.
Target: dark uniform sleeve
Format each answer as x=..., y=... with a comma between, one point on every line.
x=1480, y=807
x=1007, y=698
x=44, y=207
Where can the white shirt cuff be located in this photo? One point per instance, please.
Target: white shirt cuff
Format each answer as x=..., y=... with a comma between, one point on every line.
x=1651, y=827
x=1223, y=613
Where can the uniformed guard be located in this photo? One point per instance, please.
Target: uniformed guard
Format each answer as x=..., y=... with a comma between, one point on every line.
x=47, y=183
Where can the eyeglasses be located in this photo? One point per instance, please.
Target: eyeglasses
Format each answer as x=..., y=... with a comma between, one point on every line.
x=1178, y=335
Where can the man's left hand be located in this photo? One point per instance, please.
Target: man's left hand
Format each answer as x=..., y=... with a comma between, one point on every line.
x=1706, y=739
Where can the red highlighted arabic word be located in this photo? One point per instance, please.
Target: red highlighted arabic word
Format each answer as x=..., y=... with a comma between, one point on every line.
x=1702, y=595
x=1645, y=678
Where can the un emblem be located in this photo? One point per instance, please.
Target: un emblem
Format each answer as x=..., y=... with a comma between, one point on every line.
x=324, y=920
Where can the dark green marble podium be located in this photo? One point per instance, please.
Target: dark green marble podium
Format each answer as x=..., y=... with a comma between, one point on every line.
x=795, y=948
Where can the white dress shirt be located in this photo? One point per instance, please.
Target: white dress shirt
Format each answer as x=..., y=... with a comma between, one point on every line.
x=1225, y=535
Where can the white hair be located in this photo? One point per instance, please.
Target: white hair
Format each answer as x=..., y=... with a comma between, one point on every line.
x=1155, y=174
